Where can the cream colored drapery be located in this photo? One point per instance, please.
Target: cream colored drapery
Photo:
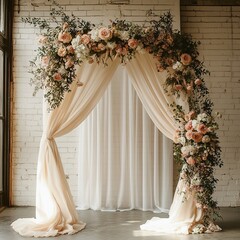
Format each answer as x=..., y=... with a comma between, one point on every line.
x=124, y=161
x=55, y=210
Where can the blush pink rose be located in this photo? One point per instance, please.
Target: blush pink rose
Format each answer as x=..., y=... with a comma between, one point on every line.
x=85, y=39
x=202, y=128
x=64, y=37
x=105, y=33
x=189, y=134
x=186, y=59
x=57, y=77
x=188, y=125
x=132, y=43
x=197, y=137
x=62, y=51
x=70, y=49
x=191, y=161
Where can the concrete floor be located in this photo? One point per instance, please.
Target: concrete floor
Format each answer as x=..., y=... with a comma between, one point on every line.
x=121, y=226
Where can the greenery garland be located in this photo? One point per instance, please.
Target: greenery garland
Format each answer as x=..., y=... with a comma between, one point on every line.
x=67, y=41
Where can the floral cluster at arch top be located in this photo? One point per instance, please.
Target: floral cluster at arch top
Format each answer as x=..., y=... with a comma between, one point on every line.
x=66, y=41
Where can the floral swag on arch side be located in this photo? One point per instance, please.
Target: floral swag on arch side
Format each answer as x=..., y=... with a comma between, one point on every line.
x=72, y=41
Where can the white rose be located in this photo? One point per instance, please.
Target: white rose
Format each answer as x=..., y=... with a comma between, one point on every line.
x=194, y=123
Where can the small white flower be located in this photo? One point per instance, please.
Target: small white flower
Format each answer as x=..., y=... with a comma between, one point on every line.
x=75, y=42
x=206, y=139
x=182, y=140
x=177, y=66
x=95, y=35
x=194, y=123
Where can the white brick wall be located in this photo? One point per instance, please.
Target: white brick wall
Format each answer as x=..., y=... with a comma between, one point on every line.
x=27, y=112
x=218, y=29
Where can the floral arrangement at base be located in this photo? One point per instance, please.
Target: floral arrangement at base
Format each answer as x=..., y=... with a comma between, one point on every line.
x=67, y=41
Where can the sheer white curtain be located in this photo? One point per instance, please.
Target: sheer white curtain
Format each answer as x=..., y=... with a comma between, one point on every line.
x=125, y=162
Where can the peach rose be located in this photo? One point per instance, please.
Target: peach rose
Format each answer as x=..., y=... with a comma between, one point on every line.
x=70, y=49
x=197, y=137
x=69, y=63
x=188, y=126
x=101, y=47
x=189, y=135
x=57, y=77
x=198, y=82
x=42, y=39
x=45, y=60
x=85, y=39
x=62, y=51
x=132, y=43
x=105, y=33
x=191, y=161
x=189, y=116
x=178, y=87
x=64, y=37
x=202, y=128
x=186, y=59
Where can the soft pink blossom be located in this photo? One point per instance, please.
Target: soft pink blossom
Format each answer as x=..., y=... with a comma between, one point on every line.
x=45, y=60
x=85, y=39
x=43, y=39
x=197, y=137
x=178, y=87
x=121, y=50
x=188, y=125
x=105, y=33
x=69, y=63
x=132, y=43
x=202, y=128
x=62, y=51
x=189, y=134
x=189, y=116
x=198, y=81
x=70, y=49
x=186, y=59
x=191, y=161
x=57, y=77
x=101, y=47
x=64, y=37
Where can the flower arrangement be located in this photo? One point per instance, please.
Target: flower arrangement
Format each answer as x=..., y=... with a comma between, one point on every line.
x=67, y=41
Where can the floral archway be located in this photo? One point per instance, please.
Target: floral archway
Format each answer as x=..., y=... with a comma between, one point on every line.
x=74, y=65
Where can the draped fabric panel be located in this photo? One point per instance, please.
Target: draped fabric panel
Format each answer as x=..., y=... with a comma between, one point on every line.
x=55, y=209
x=148, y=84
x=125, y=162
